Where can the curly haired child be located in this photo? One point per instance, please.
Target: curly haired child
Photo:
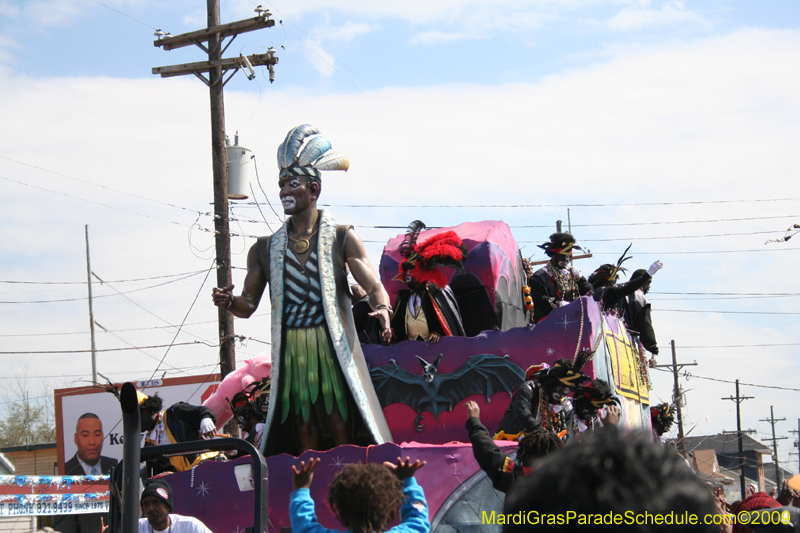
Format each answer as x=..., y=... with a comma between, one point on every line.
x=363, y=497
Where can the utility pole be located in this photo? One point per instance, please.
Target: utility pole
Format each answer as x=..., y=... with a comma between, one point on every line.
x=739, y=400
x=216, y=67
x=91, y=314
x=796, y=432
x=676, y=395
x=775, y=440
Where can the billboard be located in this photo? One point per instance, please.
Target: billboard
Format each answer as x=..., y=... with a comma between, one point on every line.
x=89, y=420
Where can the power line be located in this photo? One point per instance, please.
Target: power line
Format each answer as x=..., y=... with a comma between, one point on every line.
x=530, y=206
x=688, y=375
x=698, y=347
x=97, y=184
x=149, y=328
x=124, y=14
x=109, y=349
x=728, y=312
x=102, y=295
x=115, y=281
x=92, y=201
x=184, y=321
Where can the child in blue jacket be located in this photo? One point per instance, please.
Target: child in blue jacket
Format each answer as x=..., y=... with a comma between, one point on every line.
x=363, y=497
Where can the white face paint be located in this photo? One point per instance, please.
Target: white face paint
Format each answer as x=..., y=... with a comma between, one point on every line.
x=288, y=203
x=294, y=190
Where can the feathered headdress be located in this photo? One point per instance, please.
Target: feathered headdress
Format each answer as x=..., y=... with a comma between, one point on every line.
x=608, y=273
x=560, y=243
x=589, y=398
x=420, y=261
x=662, y=416
x=316, y=154
x=562, y=373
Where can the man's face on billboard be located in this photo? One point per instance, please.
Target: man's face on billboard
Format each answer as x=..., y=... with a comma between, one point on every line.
x=89, y=440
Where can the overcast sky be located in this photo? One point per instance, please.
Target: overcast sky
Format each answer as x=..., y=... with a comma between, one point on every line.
x=671, y=125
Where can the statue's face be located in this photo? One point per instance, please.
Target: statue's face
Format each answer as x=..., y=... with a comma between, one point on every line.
x=296, y=195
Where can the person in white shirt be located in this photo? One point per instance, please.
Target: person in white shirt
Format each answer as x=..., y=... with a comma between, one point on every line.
x=156, y=505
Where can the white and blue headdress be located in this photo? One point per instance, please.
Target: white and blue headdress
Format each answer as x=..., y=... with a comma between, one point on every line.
x=304, y=153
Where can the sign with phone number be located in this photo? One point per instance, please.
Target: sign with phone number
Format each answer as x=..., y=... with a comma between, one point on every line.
x=52, y=508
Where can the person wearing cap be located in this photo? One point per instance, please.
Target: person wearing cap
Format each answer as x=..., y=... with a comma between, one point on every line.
x=604, y=280
x=322, y=394
x=636, y=313
x=542, y=400
x=557, y=283
x=156, y=503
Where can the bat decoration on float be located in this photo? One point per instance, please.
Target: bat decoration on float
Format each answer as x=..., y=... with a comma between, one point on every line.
x=434, y=392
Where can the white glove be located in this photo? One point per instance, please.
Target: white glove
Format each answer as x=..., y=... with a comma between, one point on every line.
x=576, y=274
x=207, y=428
x=655, y=267
x=653, y=362
x=562, y=303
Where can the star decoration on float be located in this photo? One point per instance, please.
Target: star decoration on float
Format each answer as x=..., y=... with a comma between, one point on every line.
x=238, y=530
x=338, y=463
x=550, y=351
x=566, y=322
x=203, y=489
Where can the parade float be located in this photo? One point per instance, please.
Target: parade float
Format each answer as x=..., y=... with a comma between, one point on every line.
x=423, y=387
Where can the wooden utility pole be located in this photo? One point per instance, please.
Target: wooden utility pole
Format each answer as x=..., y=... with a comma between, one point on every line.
x=739, y=400
x=215, y=68
x=775, y=440
x=675, y=367
x=91, y=314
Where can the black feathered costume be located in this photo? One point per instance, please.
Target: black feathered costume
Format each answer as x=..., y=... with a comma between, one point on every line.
x=550, y=285
x=636, y=312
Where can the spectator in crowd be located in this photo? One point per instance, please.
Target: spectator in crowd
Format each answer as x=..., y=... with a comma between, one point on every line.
x=364, y=498
x=156, y=505
x=611, y=474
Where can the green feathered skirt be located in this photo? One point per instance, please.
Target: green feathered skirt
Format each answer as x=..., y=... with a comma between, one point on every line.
x=311, y=373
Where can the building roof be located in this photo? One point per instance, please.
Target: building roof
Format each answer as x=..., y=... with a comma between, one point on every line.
x=28, y=447
x=726, y=443
x=706, y=464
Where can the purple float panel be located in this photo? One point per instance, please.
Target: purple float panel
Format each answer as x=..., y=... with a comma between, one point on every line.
x=564, y=333
x=211, y=492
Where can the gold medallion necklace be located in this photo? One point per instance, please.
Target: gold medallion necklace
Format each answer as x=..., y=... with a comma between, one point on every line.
x=301, y=246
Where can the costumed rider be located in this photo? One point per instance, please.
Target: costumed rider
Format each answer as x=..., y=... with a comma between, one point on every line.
x=428, y=309
x=156, y=503
x=556, y=284
x=181, y=422
x=250, y=410
x=636, y=313
x=604, y=281
x=500, y=468
x=593, y=405
x=322, y=395
x=662, y=416
x=542, y=401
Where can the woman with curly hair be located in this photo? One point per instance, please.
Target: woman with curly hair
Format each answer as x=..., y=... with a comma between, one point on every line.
x=364, y=498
